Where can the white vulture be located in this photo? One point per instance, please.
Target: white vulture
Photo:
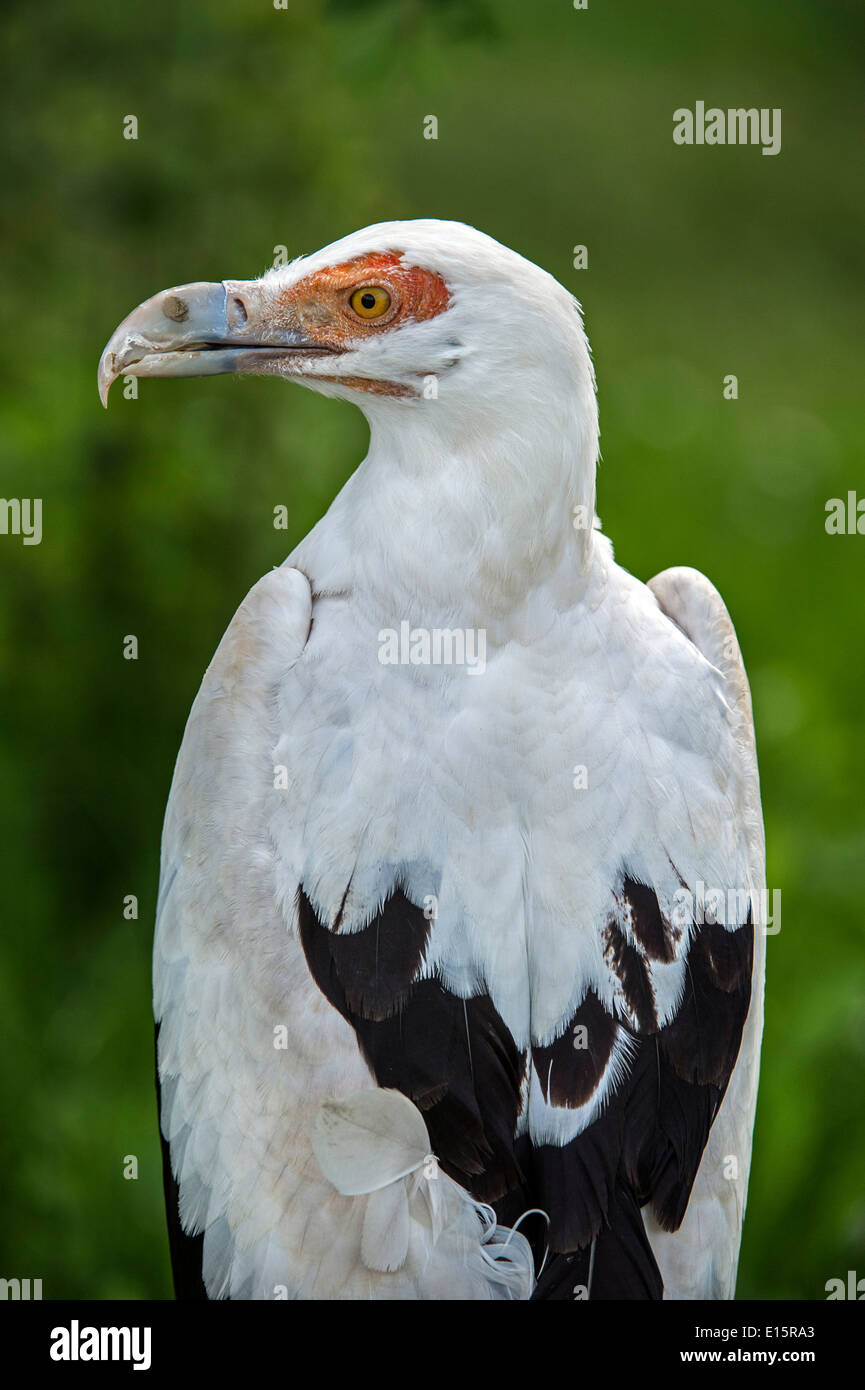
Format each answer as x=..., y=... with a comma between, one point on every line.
x=458, y=967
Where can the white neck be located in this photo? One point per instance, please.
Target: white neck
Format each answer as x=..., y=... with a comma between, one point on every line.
x=457, y=512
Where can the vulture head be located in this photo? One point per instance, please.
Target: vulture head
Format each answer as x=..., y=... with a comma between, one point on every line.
x=398, y=314
x=469, y=362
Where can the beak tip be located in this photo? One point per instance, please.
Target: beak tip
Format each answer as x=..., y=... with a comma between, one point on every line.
x=106, y=375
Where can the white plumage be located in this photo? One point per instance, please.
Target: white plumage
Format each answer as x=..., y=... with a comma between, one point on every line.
x=389, y=876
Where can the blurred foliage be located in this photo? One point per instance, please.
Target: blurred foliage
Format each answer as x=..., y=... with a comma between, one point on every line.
x=261, y=127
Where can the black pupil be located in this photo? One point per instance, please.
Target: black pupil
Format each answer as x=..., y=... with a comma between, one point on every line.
x=368, y=300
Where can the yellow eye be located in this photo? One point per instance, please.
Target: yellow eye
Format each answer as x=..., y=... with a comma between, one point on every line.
x=370, y=301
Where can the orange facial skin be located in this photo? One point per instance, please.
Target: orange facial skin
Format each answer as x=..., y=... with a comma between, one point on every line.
x=374, y=387
x=320, y=303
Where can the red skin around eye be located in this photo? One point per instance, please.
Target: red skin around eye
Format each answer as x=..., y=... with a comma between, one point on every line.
x=319, y=300
x=318, y=306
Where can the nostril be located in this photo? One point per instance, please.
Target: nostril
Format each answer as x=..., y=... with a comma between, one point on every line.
x=173, y=307
x=239, y=311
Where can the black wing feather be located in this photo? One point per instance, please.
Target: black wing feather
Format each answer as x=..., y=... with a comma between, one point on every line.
x=186, y=1251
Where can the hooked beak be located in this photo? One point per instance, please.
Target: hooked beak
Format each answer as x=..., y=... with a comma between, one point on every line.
x=206, y=330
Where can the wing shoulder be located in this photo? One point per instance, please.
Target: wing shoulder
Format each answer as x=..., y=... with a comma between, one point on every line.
x=693, y=603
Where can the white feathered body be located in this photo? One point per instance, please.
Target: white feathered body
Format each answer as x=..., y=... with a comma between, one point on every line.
x=309, y=761
x=609, y=735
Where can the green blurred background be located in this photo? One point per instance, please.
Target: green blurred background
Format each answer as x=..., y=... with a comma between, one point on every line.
x=258, y=128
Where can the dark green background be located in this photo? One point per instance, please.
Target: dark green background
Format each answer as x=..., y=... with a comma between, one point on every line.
x=261, y=127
